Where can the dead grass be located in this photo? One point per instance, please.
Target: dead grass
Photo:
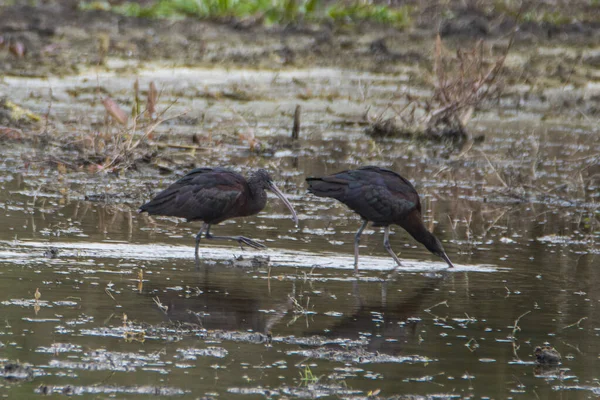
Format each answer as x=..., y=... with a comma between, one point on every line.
x=122, y=141
x=461, y=83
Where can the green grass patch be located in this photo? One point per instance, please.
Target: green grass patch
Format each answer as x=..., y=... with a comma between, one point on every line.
x=271, y=11
x=540, y=14
x=551, y=17
x=398, y=17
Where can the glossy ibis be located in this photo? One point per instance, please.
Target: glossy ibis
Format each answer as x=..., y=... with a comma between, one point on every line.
x=213, y=195
x=382, y=197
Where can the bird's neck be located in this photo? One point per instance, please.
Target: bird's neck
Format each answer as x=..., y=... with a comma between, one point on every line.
x=414, y=225
x=255, y=188
x=258, y=197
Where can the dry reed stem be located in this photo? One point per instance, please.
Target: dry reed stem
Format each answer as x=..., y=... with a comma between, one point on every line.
x=113, y=109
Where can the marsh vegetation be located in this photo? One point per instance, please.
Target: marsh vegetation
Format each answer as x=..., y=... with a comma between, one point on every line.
x=103, y=105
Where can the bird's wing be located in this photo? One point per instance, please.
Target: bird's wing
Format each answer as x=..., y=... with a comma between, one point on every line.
x=400, y=188
x=203, y=193
x=328, y=186
x=376, y=194
x=390, y=176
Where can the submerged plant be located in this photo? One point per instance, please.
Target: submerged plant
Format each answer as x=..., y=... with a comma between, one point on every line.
x=307, y=377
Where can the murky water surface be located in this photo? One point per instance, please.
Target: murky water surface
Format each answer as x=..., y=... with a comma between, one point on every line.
x=101, y=301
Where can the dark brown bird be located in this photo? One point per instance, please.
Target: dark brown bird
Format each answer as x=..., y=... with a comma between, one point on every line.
x=214, y=195
x=382, y=197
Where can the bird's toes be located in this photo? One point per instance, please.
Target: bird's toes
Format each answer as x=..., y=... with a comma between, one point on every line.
x=258, y=246
x=252, y=243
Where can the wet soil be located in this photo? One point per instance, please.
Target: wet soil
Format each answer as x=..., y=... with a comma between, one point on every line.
x=59, y=39
x=99, y=300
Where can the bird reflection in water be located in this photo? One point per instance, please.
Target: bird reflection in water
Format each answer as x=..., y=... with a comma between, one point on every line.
x=225, y=308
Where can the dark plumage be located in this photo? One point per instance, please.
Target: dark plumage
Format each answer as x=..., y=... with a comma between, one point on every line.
x=214, y=195
x=382, y=197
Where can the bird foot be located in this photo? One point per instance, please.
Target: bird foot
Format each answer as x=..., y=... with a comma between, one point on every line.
x=242, y=240
x=249, y=242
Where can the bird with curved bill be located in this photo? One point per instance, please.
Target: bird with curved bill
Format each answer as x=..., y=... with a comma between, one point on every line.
x=213, y=195
x=382, y=197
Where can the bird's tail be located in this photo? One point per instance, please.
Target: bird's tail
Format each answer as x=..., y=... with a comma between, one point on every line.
x=326, y=188
x=161, y=204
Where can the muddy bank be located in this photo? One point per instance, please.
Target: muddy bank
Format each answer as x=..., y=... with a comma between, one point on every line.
x=59, y=38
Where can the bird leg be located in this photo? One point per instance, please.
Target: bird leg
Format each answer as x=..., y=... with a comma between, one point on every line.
x=198, y=237
x=357, y=242
x=240, y=239
x=388, y=247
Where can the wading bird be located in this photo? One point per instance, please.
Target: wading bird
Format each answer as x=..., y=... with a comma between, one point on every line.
x=213, y=195
x=382, y=197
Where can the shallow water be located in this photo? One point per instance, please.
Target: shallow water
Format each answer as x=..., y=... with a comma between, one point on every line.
x=122, y=311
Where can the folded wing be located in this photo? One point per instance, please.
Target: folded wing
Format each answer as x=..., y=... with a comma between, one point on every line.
x=376, y=194
x=208, y=194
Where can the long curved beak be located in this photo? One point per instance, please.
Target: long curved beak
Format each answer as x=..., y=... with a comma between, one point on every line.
x=279, y=194
x=445, y=257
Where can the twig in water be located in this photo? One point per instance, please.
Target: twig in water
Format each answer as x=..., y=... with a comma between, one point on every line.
x=494, y=169
x=575, y=323
x=163, y=145
x=437, y=317
x=573, y=347
x=296, y=127
x=160, y=305
x=445, y=302
x=108, y=289
x=517, y=328
x=140, y=280
x=474, y=345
